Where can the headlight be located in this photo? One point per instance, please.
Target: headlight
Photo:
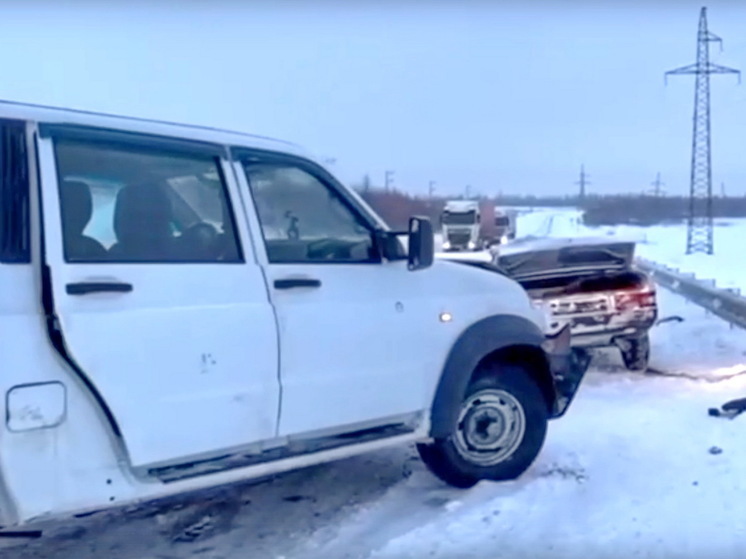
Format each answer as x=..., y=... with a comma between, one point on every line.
x=446, y=245
x=472, y=244
x=504, y=239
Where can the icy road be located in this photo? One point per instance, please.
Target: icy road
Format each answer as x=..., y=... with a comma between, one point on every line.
x=635, y=469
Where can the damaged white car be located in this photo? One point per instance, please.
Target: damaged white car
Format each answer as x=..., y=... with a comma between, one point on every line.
x=592, y=283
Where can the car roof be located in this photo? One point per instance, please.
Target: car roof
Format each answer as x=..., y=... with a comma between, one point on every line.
x=58, y=115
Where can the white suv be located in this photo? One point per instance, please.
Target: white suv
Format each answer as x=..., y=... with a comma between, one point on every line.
x=183, y=307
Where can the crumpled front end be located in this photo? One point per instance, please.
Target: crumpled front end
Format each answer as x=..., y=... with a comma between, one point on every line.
x=597, y=321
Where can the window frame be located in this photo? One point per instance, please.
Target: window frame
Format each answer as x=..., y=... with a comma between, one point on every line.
x=19, y=251
x=241, y=154
x=150, y=144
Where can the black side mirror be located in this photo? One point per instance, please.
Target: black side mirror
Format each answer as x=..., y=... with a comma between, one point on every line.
x=421, y=243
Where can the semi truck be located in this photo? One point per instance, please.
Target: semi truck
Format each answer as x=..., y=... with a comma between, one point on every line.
x=475, y=225
x=505, y=224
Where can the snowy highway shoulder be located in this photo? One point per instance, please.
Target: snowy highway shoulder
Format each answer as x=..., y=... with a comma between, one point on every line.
x=636, y=466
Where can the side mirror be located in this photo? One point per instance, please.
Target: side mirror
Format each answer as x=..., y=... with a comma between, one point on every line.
x=421, y=243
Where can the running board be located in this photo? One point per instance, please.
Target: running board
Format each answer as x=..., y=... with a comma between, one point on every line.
x=170, y=474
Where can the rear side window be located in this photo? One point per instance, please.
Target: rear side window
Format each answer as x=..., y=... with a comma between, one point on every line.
x=131, y=204
x=14, y=194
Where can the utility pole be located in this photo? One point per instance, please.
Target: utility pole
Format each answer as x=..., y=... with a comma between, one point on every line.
x=656, y=184
x=583, y=182
x=699, y=235
x=430, y=189
x=467, y=191
x=389, y=179
x=722, y=189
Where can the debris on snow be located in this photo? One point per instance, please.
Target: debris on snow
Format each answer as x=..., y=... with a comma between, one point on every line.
x=565, y=472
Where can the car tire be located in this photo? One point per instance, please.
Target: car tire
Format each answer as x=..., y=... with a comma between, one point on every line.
x=636, y=354
x=501, y=427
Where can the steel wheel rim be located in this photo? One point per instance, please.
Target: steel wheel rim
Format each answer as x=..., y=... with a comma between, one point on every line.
x=491, y=426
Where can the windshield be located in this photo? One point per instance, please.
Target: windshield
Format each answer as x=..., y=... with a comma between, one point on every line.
x=459, y=218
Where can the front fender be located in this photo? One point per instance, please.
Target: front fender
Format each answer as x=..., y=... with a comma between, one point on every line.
x=476, y=342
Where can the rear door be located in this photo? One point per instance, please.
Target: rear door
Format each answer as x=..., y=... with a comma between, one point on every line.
x=161, y=302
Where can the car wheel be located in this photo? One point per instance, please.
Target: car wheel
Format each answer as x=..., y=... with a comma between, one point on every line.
x=501, y=427
x=636, y=353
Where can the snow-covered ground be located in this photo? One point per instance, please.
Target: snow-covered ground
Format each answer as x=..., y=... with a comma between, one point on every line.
x=635, y=469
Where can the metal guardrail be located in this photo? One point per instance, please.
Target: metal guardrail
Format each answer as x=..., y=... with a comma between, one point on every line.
x=725, y=303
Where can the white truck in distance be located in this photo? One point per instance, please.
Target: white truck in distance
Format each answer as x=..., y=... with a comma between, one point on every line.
x=505, y=224
x=183, y=307
x=460, y=223
x=475, y=225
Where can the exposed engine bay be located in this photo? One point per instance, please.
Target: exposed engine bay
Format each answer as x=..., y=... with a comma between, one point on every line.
x=590, y=283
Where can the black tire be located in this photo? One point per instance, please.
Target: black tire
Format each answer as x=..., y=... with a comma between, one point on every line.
x=502, y=389
x=636, y=353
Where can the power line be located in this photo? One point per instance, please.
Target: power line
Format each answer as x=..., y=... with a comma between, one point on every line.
x=699, y=237
x=583, y=182
x=656, y=184
x=389, y=179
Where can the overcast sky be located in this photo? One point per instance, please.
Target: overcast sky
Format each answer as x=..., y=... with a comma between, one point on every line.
x=509, y=96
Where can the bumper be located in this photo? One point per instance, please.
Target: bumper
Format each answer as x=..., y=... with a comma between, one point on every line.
x=568, y=366
x=602, y=330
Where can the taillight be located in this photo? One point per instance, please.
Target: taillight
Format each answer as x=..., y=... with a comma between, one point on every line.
x=634, y=299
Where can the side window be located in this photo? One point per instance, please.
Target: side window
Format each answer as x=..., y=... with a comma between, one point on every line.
x=130, y=205
x=14, y=194
x=303, y=220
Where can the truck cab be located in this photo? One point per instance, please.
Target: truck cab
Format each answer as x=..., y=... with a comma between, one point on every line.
x=505, y=225
x=183, y=307
x=460, y=222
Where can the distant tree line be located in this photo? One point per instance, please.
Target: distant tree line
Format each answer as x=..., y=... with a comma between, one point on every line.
x=651, y=210
x=395, y=206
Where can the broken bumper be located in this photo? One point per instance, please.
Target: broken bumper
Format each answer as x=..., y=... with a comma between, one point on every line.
x=601, y=330
x=568, y=366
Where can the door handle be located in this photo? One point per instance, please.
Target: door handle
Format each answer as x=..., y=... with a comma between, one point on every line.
x=86, y=287
x=291, y=283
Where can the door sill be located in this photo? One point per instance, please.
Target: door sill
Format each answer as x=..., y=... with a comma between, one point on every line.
x=180, y=472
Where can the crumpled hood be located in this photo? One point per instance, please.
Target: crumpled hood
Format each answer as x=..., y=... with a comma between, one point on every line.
x=533, y=258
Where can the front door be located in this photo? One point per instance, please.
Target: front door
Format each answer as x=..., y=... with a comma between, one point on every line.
x=159, y=297
x=356, y=332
